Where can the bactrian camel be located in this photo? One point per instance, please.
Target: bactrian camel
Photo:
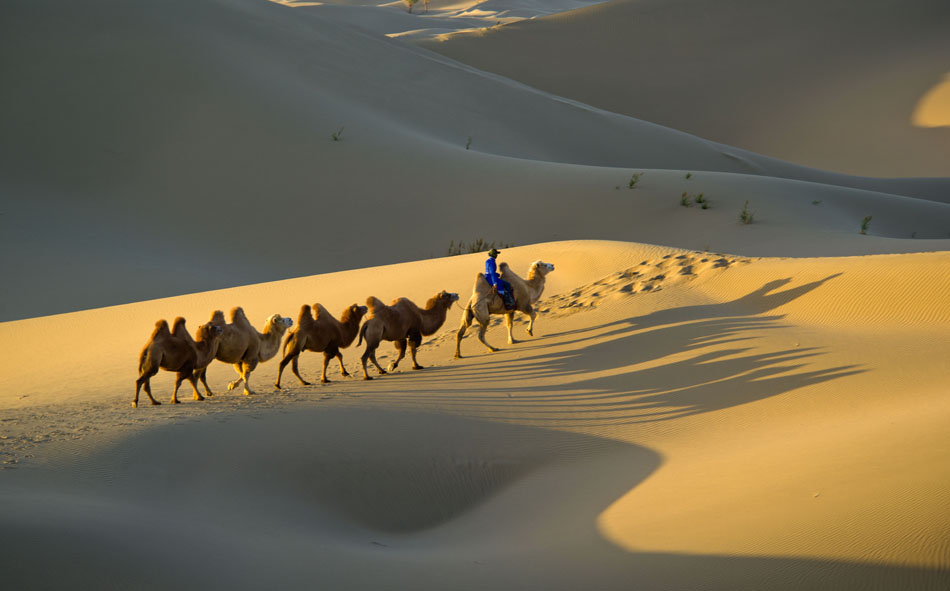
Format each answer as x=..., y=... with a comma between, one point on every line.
x=176, y=351
x=321, y=333
x=242, y=346
x=402, y=322
x=485, y=302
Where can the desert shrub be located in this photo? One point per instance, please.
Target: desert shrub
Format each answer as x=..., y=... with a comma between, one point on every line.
x=746, y=216
x=478, y=245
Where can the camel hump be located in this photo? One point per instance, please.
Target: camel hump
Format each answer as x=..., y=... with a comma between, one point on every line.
x=319, y=311
x=238, y=317
x=305, y=315
x=161, y=328
x=178, y=325
x=374, y=302
x=217, y=317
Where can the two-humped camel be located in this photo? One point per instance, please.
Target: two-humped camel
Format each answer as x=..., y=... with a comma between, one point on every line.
x=485, y=302
x=176, y=351
x=242, y=346
x=322, y=333
x=403, y=322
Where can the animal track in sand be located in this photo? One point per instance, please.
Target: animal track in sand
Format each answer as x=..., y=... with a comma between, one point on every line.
x=648, y=277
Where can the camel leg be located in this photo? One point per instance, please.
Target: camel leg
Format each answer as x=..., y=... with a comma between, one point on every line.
x=179, y=378
x=246, y=369
x=296, y=370
x=202, y=374
x=467, y=316
x=482, y=328
x=509, y=321
x=343, y=372
x=144, y=380
x=532, y=313
x=415, y=340
x=370, y=354
x=239, y=368
x=327, y=356
x=194, y=386
x=283, y=364
x=401, y=349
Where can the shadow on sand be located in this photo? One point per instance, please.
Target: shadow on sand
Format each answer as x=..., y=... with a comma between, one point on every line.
x=650, y=368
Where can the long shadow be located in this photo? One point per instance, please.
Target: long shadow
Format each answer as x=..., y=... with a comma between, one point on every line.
x=615, y=373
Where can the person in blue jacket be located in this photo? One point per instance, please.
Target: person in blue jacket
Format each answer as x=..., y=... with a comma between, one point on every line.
x=501, y=287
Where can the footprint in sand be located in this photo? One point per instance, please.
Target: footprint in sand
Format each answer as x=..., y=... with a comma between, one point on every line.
x=687, y=267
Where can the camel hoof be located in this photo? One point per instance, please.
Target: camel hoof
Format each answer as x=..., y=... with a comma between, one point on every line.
x=367, y=378
x=156, y=403
x=199, y=398
x=174, y=401
x=135, y=404
x=418, y=367
x=345, y=375
x=248, y=392
x=389, y=369
x=324, y=381
x=277, y=386
x=530, y=333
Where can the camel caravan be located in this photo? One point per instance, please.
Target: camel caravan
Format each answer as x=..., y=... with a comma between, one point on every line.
x=402, y=322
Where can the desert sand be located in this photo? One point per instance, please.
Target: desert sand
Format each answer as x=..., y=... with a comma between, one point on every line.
x=705, y=404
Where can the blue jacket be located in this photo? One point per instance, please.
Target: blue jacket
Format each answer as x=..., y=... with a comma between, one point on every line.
x=491, y=273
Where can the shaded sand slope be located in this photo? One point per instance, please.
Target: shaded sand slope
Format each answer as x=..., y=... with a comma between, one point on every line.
x=683, y=420
x=834, y=85
x=152, y=149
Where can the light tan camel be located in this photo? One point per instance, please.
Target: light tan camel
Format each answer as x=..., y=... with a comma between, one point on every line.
x=402, y=322
x=485, y=302
x=176, y=351
x=242, y=346
x=322, y=333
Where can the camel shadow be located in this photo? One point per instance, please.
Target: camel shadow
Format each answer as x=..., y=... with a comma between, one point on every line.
x=645, y=369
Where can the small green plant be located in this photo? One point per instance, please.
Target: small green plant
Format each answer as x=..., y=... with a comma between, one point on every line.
x=816, y=202
x=700, y=199
x=634, y=180
x=685, y=199
x=337, y=135
x=479, y=245
x=689, y=175
x=705, y=205
x=468, y=144
x=746, y=216
x=864, y=224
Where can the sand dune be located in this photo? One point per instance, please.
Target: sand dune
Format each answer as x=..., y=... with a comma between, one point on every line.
x=723, y=421
x=706, y=404
x=814, y=82
x=211, y=143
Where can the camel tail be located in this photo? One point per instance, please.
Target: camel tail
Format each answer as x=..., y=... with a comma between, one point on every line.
x=287, y=339
x=362, y=332
x=142, y=357
x=469, y=314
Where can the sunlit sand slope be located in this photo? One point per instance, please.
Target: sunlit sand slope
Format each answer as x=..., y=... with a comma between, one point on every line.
x=150, y=149
x=681, y=420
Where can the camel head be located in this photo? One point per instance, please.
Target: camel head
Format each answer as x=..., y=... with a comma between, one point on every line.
x=278, y=322
x=209, y=332
x=445, y=298
x=541, y=268
x=354, y=312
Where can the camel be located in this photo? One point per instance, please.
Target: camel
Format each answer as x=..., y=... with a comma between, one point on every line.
x=176, y=351
x=402, y=322
x=321, y=333
x=485, y=302
x=242, y=346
